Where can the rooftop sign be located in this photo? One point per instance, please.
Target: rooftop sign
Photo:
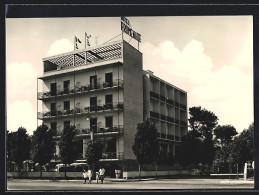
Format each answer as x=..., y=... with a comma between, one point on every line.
x=126, y=27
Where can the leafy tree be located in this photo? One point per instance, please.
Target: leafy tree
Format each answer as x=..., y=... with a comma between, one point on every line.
x=191, y=148
x=21, y=146
x=94, y=153
x=10, y=149
x=67, y=145
x=225, y=134
x=43, y=145
x=202, y=121
x=242, y=146
x=145, y=146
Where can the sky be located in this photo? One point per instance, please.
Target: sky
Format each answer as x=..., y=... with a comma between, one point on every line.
x=210, y=57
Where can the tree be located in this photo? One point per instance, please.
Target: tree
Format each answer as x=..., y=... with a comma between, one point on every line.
x=21, y=147
x=93, y=153
x=191, y=147
x=145, y=146
x=225, y=134
x=10, y=149
x=43, y=145
x=242, y=147
x=67, y=145
x=202, y=121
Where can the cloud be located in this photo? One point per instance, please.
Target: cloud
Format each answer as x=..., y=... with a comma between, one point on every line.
x=21, y=81
x=21, y=113
x=227, y=91
x=60, y=46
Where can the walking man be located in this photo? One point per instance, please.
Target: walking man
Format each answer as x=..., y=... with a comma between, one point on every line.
x=101, y=173
x=89, y=172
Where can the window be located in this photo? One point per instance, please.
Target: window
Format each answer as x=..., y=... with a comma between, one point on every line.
x=109, y=121
x=108, y=79
x=93, y=82
x=53, y=126
x=66, y=86
x=66, y=123
x=53, y=89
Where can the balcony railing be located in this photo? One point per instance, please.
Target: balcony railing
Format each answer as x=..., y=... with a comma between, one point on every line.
x=177, y=138
x=80, y=89
x=163, y=117
x=171, y=137
x=154, y=95
x=113, y=155
x=182, y=106
x=97, y=131
x=170, y=102
x=163, y=135
x=154, y=114
x=177, y=103
x=183, y=123
x=81, y=110
x=162, y=98
x=170, y=119
x=177, y=121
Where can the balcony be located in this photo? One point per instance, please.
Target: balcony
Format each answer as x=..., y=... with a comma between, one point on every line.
x=177, y=121
x=154, y=114
x=100, y=131
x=78, y=89
x=154, y=95
x=115, y=106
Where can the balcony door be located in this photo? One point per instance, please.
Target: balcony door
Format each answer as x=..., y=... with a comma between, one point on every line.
x=108, y=79
x=109, y=122
x=93, y=124
x=53, y=109
x=53, y=89
x=93, y=103
x=66, y=86
x=93, y=82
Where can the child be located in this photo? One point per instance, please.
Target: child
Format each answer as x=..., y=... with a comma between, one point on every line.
x=97, y=177
x=85, y=176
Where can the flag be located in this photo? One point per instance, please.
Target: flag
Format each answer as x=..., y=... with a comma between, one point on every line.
x=77, y=41
x=87, y=39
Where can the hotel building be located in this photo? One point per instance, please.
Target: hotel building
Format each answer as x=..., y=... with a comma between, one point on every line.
x=105, y=90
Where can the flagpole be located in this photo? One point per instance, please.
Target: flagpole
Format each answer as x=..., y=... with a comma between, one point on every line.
x=74, y=43
x=85, y=39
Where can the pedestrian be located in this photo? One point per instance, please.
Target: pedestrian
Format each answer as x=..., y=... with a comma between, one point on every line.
x=85, y=176
x=89, y=172
x=101, y=173
x=97, y=177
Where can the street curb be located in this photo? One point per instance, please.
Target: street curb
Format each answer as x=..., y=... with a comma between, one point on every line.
x=237, y=182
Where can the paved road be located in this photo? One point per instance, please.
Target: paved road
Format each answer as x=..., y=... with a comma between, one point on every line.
x=160, y=184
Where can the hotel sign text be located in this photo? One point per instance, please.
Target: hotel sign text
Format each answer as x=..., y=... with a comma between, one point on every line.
x=126, y=27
